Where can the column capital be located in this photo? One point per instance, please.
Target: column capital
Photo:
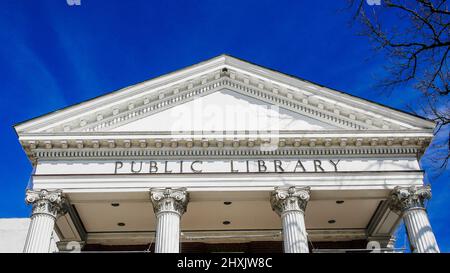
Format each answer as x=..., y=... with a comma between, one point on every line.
x=285, y=199
x=169, y=200
x=406, y=198
x=47, y=202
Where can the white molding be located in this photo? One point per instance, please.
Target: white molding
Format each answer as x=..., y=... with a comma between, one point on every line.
x=74, y=145
x=291, y=133
x=384, y=180
x=43, y=154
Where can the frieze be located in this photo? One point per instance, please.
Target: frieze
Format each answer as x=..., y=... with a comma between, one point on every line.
x=229, y=166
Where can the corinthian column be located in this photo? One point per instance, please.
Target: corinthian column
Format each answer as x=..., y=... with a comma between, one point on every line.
x=290, y=204
x=169, y=205
x=47, y=207
x=409, y=201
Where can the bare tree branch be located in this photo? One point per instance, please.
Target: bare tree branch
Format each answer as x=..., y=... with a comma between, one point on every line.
x=417, y=48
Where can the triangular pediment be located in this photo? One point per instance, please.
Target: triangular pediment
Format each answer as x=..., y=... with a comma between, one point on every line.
x=233, y=95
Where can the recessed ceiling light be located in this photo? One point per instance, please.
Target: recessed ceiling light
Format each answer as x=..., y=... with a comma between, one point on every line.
x=227, y=203
x=226, y=222
x=339, y=202
x=332, y=221
x=121, y=224
x=115, y=204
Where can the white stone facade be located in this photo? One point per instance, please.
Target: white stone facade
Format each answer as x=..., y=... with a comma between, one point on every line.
x=207, y=152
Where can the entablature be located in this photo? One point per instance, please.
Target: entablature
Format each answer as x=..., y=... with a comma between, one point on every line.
x=123, y=144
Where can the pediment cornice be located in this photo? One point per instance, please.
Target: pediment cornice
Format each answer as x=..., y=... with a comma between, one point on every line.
x=194, y=144
x=156, y=95
x=301, y=104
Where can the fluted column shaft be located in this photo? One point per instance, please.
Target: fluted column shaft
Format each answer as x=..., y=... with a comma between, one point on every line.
x=47, y=206
x=420, y=235
x=39, y=234
x=168, y=205
x=294, y=232
x=409, y=201
x=290, y=204
x=167, y=233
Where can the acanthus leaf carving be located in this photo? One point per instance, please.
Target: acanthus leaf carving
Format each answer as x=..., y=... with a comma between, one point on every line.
x=405, y=198
x=52, y=203
x=292, y=198
x=169, y=200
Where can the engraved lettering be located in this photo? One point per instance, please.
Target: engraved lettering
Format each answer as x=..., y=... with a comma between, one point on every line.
x=119, y=165
x=262, y=166
x=153, y=167
x=132, y=167
x=194, y=169
x=299, y=165
x=335, y=164
x=277, y=166
x=318, y=165
x=165, y=168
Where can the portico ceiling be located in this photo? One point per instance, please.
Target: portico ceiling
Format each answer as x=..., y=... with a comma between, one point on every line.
x=207, y=212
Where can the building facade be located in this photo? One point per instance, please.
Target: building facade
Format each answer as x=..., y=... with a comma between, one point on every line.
x=226, y=155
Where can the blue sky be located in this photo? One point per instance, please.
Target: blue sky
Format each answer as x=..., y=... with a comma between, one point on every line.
x=54, y=55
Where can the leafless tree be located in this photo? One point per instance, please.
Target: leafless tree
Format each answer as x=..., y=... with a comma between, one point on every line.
x=417, y=48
